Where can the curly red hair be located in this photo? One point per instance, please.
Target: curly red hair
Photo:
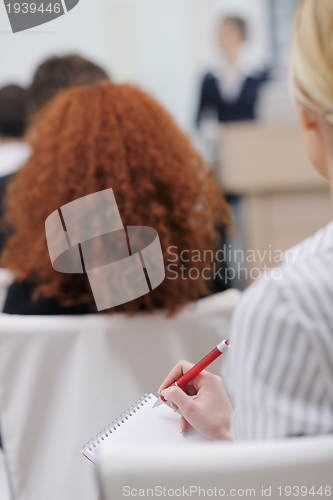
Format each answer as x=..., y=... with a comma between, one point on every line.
x=113, y=136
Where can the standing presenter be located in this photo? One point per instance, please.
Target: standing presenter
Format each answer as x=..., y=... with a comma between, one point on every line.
x=230, y=93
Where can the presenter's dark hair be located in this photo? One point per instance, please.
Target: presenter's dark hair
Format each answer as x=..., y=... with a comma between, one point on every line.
x=13, y=111
x=58, y=73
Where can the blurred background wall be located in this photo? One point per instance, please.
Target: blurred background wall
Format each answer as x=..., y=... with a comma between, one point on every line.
x=164, y=46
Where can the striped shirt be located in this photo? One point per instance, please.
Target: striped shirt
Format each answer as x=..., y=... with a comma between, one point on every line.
x=280, y=367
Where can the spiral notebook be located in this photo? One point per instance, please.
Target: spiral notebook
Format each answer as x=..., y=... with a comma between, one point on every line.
x=141, y=424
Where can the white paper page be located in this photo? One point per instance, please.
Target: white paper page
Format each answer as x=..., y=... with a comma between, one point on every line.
x=147, y=425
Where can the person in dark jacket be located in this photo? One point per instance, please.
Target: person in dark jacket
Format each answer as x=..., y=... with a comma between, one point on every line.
x=231, y=93
x=14, y=151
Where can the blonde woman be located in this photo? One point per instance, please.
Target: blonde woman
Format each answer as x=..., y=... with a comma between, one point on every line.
x=281, y=361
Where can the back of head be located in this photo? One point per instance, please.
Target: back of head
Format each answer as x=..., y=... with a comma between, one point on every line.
x=312, y=56
x=105, y=136
x=13, y=111
x=58, y=73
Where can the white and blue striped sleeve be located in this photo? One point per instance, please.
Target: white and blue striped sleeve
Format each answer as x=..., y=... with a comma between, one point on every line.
x=275, y=372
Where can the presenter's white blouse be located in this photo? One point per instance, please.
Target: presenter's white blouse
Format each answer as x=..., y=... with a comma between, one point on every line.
x=281, y=362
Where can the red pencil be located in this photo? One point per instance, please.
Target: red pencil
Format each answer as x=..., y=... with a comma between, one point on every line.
x=198, y=368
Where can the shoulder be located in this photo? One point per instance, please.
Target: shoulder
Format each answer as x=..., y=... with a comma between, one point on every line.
x=209, y=79
x=260, y=75
x=277, y=310
x=210, y=75
x=307, y=271
x=314, y=247
x=295, y=298
x=265, y=298
x=300, y=290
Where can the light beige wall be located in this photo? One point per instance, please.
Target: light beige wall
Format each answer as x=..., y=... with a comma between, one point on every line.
x=163, y=45
x=286, y=200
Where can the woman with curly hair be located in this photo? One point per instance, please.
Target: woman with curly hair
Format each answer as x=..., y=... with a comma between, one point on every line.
x=111, y=136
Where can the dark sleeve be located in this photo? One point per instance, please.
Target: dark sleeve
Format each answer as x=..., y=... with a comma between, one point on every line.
x=207, y=98
x=221, y=280
x=251, y=90
x=4, y=231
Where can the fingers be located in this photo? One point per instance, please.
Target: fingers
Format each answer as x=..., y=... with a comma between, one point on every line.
x=203, y=379
x=176, y=372
x=209, y=411
x=183, y=425
x=178, y=398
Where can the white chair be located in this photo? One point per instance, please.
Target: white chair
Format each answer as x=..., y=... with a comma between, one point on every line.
x=63, y=379
x=296, y=467
x=5, y=279
x=4, y=486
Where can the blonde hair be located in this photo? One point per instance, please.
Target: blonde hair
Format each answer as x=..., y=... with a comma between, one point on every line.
x=311, y=67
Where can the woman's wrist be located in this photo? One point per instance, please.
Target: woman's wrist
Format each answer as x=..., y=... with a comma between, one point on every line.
x=226, y=435
x=224, y=432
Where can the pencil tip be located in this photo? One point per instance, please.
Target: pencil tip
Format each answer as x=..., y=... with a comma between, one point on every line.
x=158, y=403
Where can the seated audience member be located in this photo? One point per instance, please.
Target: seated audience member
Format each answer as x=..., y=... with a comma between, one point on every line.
x=281, y=360
x=52, y=76
x=13, y=150
x=58, y=73
x=230, y=93
x=92, y=138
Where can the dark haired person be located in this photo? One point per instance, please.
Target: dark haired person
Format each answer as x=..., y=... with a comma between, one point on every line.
x=51, y=77
x=60, y=72
x=231, y=93
x=13, y=150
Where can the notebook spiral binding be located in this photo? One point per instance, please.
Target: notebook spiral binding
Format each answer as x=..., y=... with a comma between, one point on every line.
x=116, y=423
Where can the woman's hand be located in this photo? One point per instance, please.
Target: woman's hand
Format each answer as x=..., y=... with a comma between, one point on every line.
x=204, y=404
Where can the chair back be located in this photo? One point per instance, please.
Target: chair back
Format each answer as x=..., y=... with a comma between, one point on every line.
x=278, y=469
x=64, y=378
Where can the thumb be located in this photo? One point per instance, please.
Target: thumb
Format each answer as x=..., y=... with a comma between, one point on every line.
x=177, y=396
